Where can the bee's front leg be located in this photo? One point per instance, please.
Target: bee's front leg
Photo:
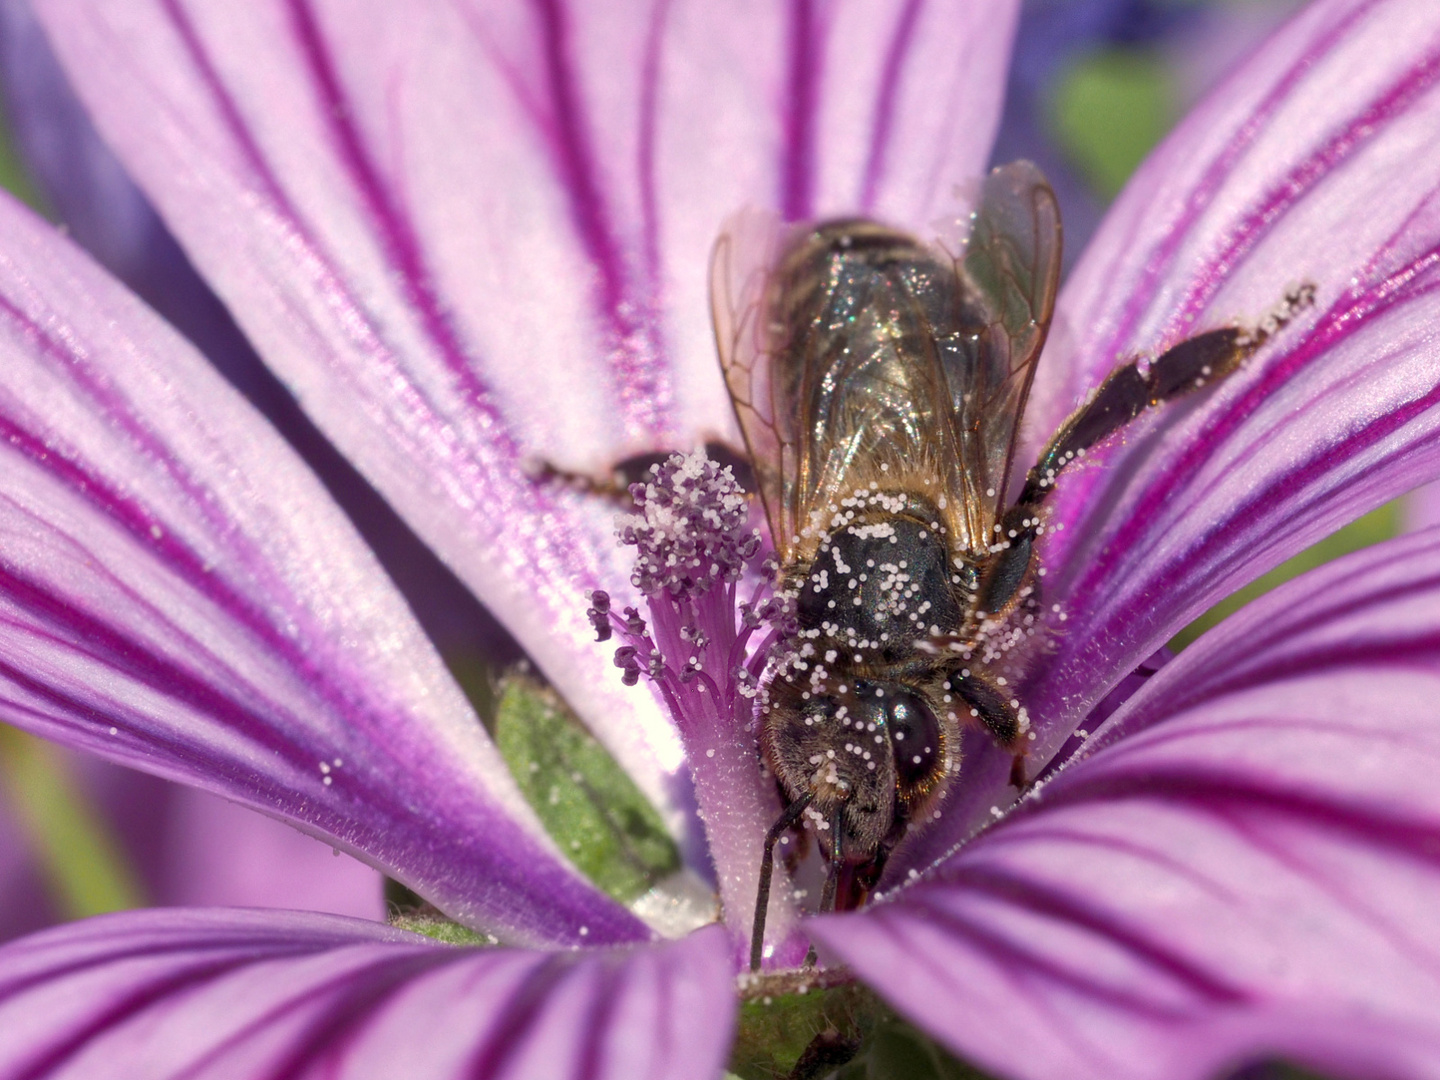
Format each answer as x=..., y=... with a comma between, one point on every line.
x=998, y=713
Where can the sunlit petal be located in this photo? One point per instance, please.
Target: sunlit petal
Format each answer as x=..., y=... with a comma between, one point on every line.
x=1313, y=163
x=1250, y=870
x=177, y=593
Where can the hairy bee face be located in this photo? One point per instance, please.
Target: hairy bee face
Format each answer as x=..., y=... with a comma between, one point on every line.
x=869, y=750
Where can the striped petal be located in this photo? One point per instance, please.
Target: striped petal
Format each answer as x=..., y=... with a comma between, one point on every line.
x=215, y=993
x=1242, y=864
x=1312, y=163
x=473, y=237
x=177, y=593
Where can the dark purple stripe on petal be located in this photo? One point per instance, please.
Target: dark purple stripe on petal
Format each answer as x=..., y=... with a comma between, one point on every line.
x=192, y=993
x=1055, y=905
x=390, y=225
x=645, y=166
x=1221, y=794
x=806, y=49
x=626, y=300
x=882, y=124
x=390, y=222
x=1162, y=259
x=628, y=305
x=516, y=1024
x=1366, y=124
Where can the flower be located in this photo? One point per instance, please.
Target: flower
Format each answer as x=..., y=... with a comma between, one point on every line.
x=466, y=237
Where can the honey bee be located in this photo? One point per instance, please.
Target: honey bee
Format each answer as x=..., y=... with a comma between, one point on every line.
x=879, y=385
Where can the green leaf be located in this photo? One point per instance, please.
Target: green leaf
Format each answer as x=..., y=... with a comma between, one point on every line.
x=585, y=800
x=13, y=177
x=441, y=929
x=82, y=862
x=898, y=1051
x=777, y=1028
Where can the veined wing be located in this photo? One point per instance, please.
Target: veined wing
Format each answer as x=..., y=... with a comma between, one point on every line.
x=740, y=270
x=855, y=311
x=1008, y=277
x=854, y=355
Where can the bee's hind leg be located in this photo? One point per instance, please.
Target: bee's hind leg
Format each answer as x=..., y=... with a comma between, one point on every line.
x=1124, y=395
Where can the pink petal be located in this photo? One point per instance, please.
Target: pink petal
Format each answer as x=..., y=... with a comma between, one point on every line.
x=218, y=853
x=190, y=847
x=235, y=994
x=178, y=594
x=24, y=905
x=1251, y=870
x=1422, y=507
x=472, y=237
x=1314, y=162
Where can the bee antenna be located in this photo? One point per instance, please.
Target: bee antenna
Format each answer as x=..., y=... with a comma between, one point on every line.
x=787, y=818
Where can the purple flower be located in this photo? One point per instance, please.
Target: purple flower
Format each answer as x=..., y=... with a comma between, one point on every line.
x=469, y=238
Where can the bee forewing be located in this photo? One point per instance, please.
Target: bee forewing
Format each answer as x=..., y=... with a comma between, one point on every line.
x=1009, y=274
x=740, y=267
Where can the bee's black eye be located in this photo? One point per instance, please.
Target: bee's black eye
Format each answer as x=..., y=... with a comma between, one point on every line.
x=914, y=736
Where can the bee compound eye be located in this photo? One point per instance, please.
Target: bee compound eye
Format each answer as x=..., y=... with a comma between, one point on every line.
x=915, y=739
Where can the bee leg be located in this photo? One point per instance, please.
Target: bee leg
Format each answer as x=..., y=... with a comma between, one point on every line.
x=788, y=818
x=1017, y=773
x=1127, y=392
x=832, y=878
x=634, y=469
x=1006, y=572
x=1124, y=395
x=991, y=708
x=999, y=716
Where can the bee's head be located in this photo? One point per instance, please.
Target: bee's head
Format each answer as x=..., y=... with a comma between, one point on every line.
x=869, y=748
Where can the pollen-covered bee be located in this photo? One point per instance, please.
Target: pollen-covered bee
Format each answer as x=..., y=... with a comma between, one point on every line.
x=879, y=385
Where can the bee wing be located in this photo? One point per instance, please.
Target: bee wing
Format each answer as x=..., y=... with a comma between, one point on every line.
x=740, y=267
x=829, y=340
x=877, y=403
x=1008, y=278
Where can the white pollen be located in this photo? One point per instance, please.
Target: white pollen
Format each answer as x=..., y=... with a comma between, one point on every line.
x=710, y=753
